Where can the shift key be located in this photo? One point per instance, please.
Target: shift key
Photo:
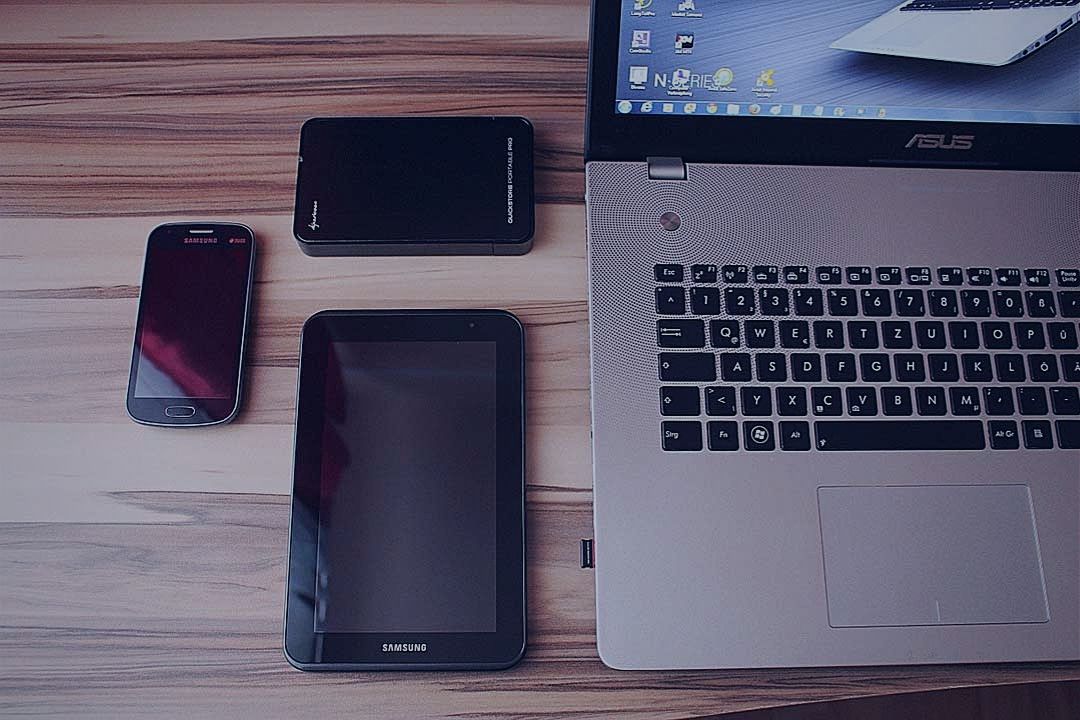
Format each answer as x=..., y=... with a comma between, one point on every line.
x=687, y=367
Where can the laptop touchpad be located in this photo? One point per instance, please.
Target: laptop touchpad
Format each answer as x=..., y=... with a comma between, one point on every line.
x=931, y=555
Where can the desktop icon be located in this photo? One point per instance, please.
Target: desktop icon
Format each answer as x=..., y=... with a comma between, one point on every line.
x=733, y=109
x=640, y=40
x=646, y=106
x=711, y=108
x=625, y=106
x=686, y=9
x=640, y=5
x=776, y=109
x=755, y=109
x=680, y=79
x=639, y=75
x=765, y=85
x=723, y=77
x=684, y=43
x=689, y=108
x=668, y=107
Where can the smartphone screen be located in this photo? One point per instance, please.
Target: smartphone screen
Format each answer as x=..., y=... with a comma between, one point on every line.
x=189, y=335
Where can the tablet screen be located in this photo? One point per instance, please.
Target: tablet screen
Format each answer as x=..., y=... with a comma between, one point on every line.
x=407, y=536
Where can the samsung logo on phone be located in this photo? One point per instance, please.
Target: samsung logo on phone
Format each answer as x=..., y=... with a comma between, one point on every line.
x=314, y=224
x=509, y=181
x=404, y=647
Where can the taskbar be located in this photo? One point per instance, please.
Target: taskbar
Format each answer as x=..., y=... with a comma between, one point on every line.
x=754, y=109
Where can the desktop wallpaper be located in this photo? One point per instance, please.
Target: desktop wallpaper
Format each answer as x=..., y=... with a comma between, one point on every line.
x=774, y=57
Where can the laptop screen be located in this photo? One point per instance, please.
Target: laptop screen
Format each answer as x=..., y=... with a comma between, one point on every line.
x=940, y=60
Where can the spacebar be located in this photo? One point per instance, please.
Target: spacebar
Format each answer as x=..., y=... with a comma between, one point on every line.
x=900, y=435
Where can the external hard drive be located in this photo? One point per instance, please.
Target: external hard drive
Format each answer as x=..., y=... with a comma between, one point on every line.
x=415, y=186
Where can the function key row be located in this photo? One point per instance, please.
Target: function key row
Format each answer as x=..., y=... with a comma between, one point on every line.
x=864, y=275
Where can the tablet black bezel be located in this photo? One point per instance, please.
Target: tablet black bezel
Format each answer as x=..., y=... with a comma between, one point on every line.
x=310, y=650
x=799, y=141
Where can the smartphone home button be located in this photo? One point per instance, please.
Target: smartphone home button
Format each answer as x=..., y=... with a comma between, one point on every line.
x=179, y=411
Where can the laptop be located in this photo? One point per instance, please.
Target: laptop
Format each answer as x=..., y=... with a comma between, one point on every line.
x=834, y=344
x=984, y=32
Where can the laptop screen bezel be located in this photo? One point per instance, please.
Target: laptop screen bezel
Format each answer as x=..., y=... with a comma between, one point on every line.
x=799, y=141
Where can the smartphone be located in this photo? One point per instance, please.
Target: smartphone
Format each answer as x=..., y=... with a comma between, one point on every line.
x=192, y=321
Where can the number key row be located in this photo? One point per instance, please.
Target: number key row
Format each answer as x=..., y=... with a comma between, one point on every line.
x=873, y=302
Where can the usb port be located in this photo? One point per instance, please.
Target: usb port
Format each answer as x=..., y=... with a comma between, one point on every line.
x=1050, y=35
x=1067, y=24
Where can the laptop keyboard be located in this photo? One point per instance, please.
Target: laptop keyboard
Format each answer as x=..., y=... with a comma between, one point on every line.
x=768, y=358
x=983, y=4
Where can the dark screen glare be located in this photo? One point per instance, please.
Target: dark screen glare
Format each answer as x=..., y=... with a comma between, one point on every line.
x=407, y=536
x=191, y=317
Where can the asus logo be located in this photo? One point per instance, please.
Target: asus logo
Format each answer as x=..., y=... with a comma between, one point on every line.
x=314, y=224
x=404, y=647
x=930, y=141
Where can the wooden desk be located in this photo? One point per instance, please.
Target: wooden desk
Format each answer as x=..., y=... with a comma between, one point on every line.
x=141, y=569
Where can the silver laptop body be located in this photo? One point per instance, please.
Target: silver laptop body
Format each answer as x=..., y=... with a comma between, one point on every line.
x=984, y=32
x=812, y=444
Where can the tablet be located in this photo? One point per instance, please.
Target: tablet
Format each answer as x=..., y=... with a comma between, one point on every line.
x=406, y=543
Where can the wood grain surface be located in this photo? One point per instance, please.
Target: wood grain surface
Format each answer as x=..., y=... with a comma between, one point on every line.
x=142, y=569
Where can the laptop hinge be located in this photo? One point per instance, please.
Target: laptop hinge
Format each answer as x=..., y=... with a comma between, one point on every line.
x=666, y=168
